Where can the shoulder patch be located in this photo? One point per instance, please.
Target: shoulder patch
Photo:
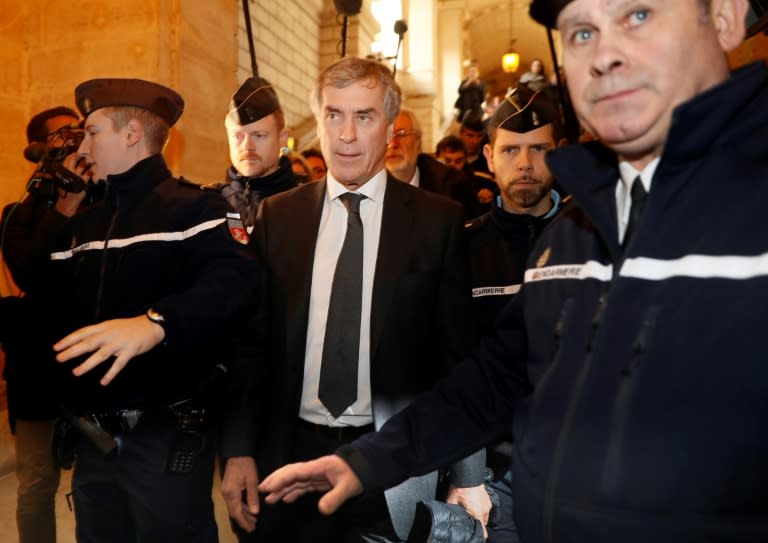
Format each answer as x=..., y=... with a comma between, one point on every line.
x=237, y=229
x=213, y=187
x=184, y=182
x=473, y=223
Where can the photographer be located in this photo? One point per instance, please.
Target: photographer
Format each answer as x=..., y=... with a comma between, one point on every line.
x=28, y=228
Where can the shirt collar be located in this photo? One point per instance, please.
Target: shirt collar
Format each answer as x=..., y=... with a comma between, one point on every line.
x=628, y=174
x=416, y=179
x=373, y=189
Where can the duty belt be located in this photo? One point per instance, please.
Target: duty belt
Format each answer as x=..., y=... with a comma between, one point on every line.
x=122, y=421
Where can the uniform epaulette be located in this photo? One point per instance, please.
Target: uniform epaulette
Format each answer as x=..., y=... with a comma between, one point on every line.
x=474, y=223
x=214, y=187
x=484, y=174
x=187, y=183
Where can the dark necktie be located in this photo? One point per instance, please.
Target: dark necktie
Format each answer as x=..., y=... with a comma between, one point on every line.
x=338, y=372
x=638, y=195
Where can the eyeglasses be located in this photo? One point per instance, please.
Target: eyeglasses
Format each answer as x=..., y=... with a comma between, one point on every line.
x=402, y=134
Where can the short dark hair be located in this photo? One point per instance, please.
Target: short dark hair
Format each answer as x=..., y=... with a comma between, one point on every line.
x=450, y=143
x=37, y=131
x=474, y=123
x=312, y=152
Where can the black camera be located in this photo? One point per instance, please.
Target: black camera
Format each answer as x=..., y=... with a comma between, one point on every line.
x=50, y=174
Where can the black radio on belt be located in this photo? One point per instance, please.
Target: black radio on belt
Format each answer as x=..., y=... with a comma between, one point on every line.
x=189, y=437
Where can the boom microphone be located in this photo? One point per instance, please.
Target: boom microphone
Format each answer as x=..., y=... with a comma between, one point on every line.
x=400, y=28
x=349, y=8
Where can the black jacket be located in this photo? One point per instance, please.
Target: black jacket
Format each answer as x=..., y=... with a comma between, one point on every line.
x=436, y=177
x=153, y=242
x=499, y=245
x=246, y=193
x=29, y=228
x=649, y=414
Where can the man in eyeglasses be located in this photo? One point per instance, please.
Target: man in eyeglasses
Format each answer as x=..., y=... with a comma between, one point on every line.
x=27, y=228
x=406, y=162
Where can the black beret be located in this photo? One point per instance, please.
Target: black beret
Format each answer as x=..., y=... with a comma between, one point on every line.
x=546, y=11
x=254, y=100
x=98, y=93
x=525, y=110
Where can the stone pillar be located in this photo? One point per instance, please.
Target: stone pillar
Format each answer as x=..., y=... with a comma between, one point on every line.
x=287, y=39
x=49, y=47
x=417, y=78
x=449, y=46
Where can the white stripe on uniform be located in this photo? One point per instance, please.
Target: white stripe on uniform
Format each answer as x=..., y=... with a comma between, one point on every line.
x=156, y=236
x=698, y=266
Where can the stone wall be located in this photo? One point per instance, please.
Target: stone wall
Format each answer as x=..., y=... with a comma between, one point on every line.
x=293, y=42
x=50, y=47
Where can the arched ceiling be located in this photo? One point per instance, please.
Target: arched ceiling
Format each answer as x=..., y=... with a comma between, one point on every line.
x=491, y=27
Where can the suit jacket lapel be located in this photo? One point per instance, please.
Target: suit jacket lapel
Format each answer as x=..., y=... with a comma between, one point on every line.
x=298, y=248
x=392, y=259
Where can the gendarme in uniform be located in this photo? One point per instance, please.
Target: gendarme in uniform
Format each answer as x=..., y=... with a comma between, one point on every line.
x=158, y=246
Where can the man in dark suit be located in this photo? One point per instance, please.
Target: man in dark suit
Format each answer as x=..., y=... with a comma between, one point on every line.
x=404, y=319
x=406, y=162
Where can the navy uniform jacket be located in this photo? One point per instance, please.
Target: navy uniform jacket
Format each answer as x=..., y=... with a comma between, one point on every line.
x=648, y=419
x=246, y=193
x=153, y=242
x=499, y=245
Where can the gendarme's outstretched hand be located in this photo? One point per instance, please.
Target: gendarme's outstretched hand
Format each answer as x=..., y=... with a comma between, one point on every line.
x=329, y=474
x=122, y=339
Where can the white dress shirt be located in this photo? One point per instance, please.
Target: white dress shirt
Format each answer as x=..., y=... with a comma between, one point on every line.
x=330, y=238
x=624, y=187
x=416, y=179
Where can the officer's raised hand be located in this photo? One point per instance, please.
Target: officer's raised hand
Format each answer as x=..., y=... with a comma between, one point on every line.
x=119, y=338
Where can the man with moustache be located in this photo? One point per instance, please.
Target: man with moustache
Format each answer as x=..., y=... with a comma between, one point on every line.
x=256, y=133
x=28, y=227
x=406, y=162
x=336, y=371
x=522, y=130
x=630, y=368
